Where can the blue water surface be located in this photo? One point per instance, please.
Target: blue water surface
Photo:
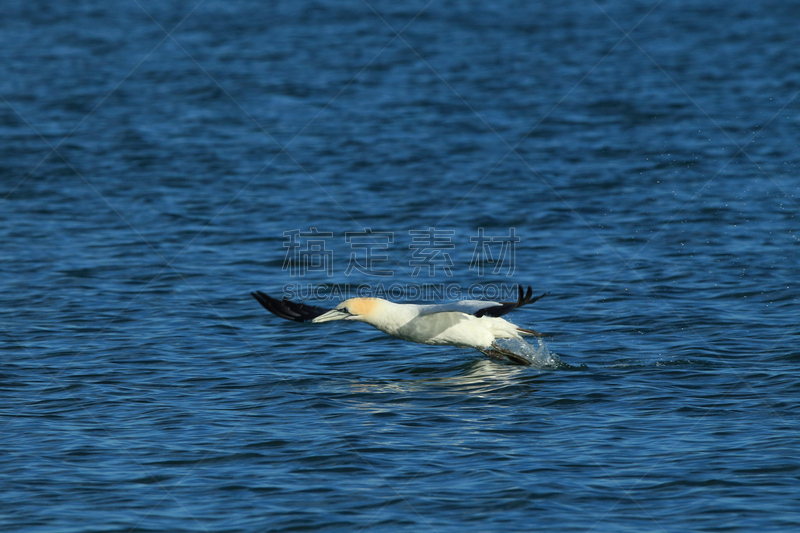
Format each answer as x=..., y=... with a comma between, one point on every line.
x=155, y=154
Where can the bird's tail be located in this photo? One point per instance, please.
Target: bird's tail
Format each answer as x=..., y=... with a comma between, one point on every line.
x=523, y=331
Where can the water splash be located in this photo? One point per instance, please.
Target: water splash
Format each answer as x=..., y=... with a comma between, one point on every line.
x=538, y=355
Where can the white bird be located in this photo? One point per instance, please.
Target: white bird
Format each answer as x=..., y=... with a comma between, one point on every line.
x=465, y=324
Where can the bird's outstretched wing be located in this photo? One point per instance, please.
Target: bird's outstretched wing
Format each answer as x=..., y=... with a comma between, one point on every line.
x=506, y=307
x=481, y=308
x=288, y=309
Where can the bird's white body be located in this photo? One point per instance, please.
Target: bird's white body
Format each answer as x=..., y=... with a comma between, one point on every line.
x=451, y=324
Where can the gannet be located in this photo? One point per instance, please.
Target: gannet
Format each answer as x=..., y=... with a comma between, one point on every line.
x=464, y=324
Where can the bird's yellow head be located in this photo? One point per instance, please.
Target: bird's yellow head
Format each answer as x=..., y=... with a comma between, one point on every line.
x=353, y=309
x=359, y=306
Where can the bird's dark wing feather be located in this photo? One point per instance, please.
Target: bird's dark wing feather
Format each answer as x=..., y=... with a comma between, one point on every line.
x=507, y=307
x=288, y=309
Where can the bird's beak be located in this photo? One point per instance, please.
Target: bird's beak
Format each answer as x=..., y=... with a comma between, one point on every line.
x=333, y=314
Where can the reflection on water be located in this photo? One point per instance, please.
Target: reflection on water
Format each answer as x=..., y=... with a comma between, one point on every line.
x=476, y=376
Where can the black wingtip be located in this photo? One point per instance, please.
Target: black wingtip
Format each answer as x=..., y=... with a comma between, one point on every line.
x=525, y=297
x=285, y=308
x=539, y=297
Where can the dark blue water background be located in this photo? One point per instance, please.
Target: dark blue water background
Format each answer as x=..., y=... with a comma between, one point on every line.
x=152, y=155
